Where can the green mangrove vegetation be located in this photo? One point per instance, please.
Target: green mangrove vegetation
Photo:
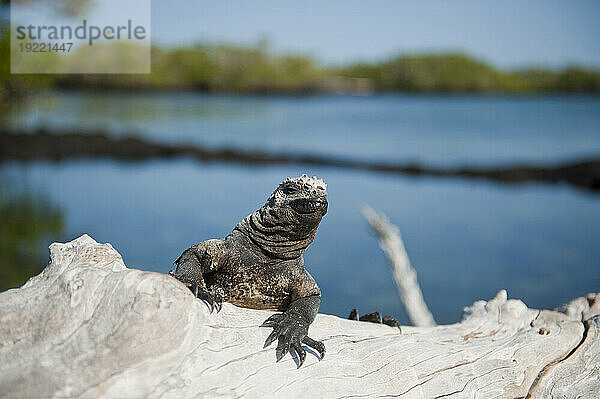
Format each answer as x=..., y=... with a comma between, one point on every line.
x=221, y=68
x=458, y=73
x=235, y=69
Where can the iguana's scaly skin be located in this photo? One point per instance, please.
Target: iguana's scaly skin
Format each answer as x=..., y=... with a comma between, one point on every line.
x=259, y=264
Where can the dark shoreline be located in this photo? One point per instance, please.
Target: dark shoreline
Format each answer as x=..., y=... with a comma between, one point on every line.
x=43, y=145
x=317, y=94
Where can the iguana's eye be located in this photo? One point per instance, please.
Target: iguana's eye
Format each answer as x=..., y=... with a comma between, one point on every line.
x=290, y=190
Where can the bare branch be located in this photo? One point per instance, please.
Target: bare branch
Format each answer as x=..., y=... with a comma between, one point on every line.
x=404, y=275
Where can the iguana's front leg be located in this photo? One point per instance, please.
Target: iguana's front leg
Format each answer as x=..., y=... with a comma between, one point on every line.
x=291, y=326
x=192, y=264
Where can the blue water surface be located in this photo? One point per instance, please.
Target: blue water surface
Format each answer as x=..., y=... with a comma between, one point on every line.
x=436, y=130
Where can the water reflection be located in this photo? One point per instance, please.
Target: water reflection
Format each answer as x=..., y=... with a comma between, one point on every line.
x=88, y=109
x=28, y=222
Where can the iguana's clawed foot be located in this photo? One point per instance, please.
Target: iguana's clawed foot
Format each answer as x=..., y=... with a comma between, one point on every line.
x=374, y=317
x=212, y=298
x=292, y=333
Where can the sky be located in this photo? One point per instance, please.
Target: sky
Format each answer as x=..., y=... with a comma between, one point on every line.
x=507, y=33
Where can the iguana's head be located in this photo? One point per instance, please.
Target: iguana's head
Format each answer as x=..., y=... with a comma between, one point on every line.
x=287, y=223
x=298, y=201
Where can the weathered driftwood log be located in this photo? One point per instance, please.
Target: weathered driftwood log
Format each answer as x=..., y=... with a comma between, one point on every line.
x=403, y=273
x=89, y=327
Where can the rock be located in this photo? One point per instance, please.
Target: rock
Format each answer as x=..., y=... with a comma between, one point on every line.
x=88, y=326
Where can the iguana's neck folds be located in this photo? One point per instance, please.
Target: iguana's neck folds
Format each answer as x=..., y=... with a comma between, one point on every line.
x=277, y=239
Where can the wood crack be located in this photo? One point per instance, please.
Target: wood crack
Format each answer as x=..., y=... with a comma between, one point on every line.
x=546, y=368
x=470, y=381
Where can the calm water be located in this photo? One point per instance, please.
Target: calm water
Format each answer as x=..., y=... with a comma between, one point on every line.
x=436, y=130
x=466, y=239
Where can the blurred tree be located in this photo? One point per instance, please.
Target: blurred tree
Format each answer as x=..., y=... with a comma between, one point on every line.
x=16, y=85
x=576, y=79
x=26, y=221
x=63, y=7
x=458, y=73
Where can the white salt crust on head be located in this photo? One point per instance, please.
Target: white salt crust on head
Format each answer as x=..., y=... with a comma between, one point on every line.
x=306, y=182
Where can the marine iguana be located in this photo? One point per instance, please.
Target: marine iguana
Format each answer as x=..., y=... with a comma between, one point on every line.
x=259, y=264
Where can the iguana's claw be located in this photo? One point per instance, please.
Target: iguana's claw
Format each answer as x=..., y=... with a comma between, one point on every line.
x=300, y=352
x=213, y=299
x=272, y=337
x=273, y=320
x=283, y=347
x=374, y=317
x=391, y=321
x=316, y=345
x=218, y=295
x=291, y=334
